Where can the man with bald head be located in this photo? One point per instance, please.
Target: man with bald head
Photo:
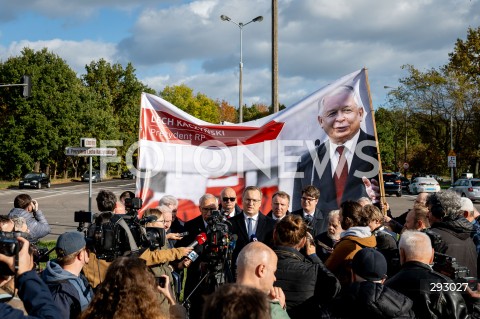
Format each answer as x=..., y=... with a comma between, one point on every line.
x=420, y=283
x=228, y=199
x=256, y=266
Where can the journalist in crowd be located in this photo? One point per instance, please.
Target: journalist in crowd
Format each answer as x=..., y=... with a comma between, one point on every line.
x=32, y=290
x=307, y=283
x=70, y=289
x=28, y=208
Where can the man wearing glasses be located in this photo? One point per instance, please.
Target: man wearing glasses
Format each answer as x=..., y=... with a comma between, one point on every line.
x=251, y=225
x=171, y=202
x=228, y=196
x=207, y=204
x=309, y=211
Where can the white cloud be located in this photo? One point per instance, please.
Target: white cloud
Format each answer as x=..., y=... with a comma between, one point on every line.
x=77, y=54
x=182, y=41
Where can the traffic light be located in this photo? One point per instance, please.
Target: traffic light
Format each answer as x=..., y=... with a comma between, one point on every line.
x=27, y=86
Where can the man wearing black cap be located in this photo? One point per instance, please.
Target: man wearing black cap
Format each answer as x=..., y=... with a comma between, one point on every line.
x=70, y=289
x=367, y=295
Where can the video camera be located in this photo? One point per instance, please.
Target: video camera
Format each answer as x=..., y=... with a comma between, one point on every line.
x=449, y=267
x=220, y=241
x=111, y=235
x=132, y=205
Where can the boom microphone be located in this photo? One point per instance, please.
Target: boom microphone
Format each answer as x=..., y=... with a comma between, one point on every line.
x=201, y=238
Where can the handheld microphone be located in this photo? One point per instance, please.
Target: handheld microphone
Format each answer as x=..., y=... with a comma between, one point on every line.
x=233, y=242
x=193, y=255
x=317, y=143
x=201, y=238
x=148, y=219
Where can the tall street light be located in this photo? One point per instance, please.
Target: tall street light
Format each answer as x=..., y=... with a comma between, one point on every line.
x=240, y=25
x=406, y=133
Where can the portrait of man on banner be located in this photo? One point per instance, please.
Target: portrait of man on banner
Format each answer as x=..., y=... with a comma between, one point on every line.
x=343, y=164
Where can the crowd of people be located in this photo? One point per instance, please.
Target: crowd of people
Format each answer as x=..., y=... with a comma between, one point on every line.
x=355, y=260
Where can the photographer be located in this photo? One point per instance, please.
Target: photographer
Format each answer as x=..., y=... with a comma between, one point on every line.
x=70, y=289
x=158, y=257
x=26, y=207
x=123, y=242
x=32, y=290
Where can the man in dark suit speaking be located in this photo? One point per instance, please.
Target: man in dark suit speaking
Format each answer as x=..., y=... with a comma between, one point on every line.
x=342, y=166
x=251, y=225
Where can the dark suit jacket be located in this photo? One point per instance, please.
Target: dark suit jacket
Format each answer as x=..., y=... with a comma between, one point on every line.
x=270, y=214
x=194, y=227
x=318, y=222
x=263, y=234
x=354, y=188
x=238, y=210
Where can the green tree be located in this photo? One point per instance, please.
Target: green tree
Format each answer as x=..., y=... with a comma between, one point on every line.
x=119, y=91
x=34, y=129
x=199, y=105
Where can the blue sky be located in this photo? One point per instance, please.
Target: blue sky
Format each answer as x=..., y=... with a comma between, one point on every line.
x=173, y=42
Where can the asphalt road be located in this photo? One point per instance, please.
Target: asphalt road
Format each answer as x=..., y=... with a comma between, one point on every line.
x=59, y=202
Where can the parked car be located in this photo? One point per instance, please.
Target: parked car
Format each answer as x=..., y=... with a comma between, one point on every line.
x=34, y=180
x=95, y=176
x=467, y=175
x=392, y=184
x=467, y=187
x=127, y=175
x=423, y=185
x=405, y=183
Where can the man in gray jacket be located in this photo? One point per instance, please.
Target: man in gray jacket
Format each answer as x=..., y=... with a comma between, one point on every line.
x=26, y=207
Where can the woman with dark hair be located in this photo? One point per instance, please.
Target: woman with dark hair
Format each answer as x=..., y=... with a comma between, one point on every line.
x=307, y=283
x=356, y=236
x=129, y=291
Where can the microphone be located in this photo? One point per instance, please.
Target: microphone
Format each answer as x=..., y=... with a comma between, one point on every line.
x=233, y=242
x=201, y=238
x=193, y=255
x=231, y=246
x=317, y=144
x=253, y=238
x=148, y=219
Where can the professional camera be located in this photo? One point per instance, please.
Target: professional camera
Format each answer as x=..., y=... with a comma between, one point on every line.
x=10, y=246
x=449, y=267
x=154, y=238
x=132, y=205
x=111, y=235
x=220, y=244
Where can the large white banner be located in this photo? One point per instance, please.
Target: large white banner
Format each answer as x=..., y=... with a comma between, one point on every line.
x=186, y=157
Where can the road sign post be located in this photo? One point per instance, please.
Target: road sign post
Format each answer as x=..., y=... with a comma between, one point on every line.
x=89, y=149
x=452, y=163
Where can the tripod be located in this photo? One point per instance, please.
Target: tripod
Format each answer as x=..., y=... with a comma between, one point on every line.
x=216, y=275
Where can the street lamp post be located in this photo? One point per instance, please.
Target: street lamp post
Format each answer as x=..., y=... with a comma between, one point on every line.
x=406, y=133
x=240, y=25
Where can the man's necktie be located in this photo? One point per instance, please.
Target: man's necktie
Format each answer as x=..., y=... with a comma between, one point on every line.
x=249, y=228
x=341, y=174
x=308, y=218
